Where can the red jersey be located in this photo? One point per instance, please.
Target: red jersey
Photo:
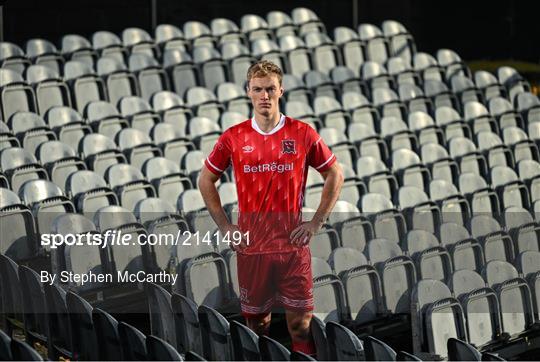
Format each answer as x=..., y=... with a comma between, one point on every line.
x=270, y=170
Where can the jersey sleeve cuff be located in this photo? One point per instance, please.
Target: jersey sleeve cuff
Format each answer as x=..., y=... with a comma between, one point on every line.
x=327, y=164
x=212, y=168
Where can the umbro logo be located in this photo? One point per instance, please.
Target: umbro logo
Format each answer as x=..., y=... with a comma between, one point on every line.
x=248, y=149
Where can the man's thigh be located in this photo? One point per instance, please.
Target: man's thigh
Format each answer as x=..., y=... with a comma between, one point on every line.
x=295, y=281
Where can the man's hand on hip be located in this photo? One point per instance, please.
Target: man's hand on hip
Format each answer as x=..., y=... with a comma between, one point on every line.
x=304, y=232
x=230, y=230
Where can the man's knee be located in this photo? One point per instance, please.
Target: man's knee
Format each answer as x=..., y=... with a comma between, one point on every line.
x=259, y=324
x=298, y=324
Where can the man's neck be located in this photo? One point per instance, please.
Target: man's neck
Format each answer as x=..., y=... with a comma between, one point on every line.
x=267, y=123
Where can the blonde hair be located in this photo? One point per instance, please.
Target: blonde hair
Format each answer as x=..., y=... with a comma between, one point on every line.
x=264, y=68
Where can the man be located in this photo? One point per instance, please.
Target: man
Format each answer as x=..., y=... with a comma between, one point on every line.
x=270, y=155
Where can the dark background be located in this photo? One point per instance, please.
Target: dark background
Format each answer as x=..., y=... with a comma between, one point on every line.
x=488, y=30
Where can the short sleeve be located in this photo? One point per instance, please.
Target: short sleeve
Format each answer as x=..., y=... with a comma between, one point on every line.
x=220, y=158
x=320, y=156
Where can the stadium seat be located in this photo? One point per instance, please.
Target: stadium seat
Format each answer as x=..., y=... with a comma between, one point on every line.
x=351, y=46
x=181, y=69
x=198, y=33
x=19, y=234
x=150, y=75
x=439, y=94
x=169, y=36
x=419, y=211
x=401, y=43
x=432, y=259
x=7, y=139
x=137, y=146
x=89, y=191
x=138, y=41
x=387, y=221
x=59, y=337
x=343, y=344
x=109, y=44
x=108, y=339
x=439, y=163
x=489, y=85
x=449, y=119
x=512, y=192
x=397, y=135
x=478, y=117
x=129, y=184
x=504, y=112
x=212, y=69
x=402, y=71
x=438, y=316
x=215, y=334
x=466, y=252
x=267, y=49
x=166, y=177
x=12, y=305
x=234, y=98
x=415, y=100
x=46, y=200
x=83, y=335
x=496, y=242
x=272, y=350
x=69, y=258
x=409, y=169
x=77, y=47
x=397, y=272
x=245, y=342
x=496, y=153
x=298, y=55
x=226, y=31
x=186, y=319
x=529, y=107
x=31, y=130
x=281, y=23
x=423, y=125
x=204, y=103
x=159, y=350
x=13, y=58
x=16, y=95
x=49, y=88
x=367, y=141
x=377, y=48
x=139, y=113
x=325, y=53
x=239, y=59
x=328, y=293
x=527, y=264
x=20, y=166
x=104, y=118
x=119, y=81
x=452, y=63
x=480, y=306
x=172, y=109
x=59, y=160
x=428, y=67
x=354, y=229
x=132, y=342
x=307, y=21
x=320, y=84
x=377, y=350
x=522, y=228
x=469, y=159
x=512, y=81
x=34, y=307
x=43, y=52
x=514, y=295
x=68, y=125
x=100, y=152
x=84, y=83
x=347, y=80
x=454, y=207
x=465, y=90
x=459, y=350
x=161, y=314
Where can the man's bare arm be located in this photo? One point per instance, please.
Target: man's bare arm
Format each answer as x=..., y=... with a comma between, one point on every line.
x=209, y=192
x=333, y=181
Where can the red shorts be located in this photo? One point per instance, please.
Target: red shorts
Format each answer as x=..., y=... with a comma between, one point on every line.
x=267, y=280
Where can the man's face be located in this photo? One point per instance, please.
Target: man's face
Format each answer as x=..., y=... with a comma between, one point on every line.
x=265, y=93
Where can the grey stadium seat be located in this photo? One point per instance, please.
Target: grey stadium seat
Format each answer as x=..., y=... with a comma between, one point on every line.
x=49, y=88
x=120, y=82
x=151, y=76
x=84, y=83
x=43, y=52
x=16, y=95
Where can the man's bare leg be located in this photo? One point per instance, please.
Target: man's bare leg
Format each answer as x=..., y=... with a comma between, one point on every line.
x=260, y=324
x=298, y=325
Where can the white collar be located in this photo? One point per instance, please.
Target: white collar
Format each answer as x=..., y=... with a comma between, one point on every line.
x=279, y=126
